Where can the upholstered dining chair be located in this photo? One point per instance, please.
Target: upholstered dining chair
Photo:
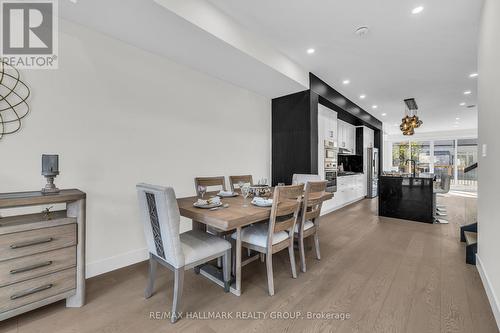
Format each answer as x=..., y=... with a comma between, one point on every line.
x=277, y=234
x=234, y=180
x=308, y=223
x=178, y=252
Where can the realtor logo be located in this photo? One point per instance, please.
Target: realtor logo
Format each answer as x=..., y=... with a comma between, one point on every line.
x=29, y=33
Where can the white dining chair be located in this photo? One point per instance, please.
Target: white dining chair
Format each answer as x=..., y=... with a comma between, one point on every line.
x=178, y=252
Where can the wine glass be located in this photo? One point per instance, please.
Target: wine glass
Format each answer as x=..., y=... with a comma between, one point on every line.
x=245, y=191
x=241, y=183
x=202, y=190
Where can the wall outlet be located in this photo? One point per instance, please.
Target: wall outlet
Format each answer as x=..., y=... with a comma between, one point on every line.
x=485, y=150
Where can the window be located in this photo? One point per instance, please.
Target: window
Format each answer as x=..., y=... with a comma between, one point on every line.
x=440, y=157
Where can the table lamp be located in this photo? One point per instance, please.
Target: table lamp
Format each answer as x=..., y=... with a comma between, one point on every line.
x=50, y=169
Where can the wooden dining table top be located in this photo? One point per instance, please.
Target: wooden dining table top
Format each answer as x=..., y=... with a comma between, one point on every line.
x=230, y=218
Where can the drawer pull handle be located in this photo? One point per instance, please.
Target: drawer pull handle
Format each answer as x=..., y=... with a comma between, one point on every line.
x=31, y=291
x=31, y=243
x=30, y=268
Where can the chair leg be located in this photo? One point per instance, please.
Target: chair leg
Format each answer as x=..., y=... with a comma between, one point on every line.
x=262, y=257
x=270, y=280
x=316, y=245
x=151, y=279
x=178, y=282
x=226, y=269
x=302, y=254
x=292, y=258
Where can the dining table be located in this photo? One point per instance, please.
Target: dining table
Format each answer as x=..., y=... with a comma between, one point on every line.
x=236, y=213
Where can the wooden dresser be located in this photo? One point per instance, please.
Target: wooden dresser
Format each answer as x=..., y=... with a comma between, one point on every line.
x=42, y=255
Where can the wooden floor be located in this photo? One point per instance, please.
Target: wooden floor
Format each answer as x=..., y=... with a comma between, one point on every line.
x=387, y=275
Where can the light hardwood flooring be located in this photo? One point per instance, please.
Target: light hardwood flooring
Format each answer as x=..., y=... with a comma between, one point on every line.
x=389, y=275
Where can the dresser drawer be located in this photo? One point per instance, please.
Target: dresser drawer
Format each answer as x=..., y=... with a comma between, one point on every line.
x=24, y=268
x=22, y=293
x=29, y=242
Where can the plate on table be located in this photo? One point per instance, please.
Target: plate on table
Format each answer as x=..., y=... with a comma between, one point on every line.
x=227, y=194
x=207, y=206
x=262, y=202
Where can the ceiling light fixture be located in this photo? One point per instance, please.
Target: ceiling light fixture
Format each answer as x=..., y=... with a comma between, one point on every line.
x=346, y=82
x=417, y=10
x=384, y=114
x=473, y=75
x=462, y=104
x=457, y=118
x=410, y=121
x=374, y=106
x=467, y=92
x=361, y=31
x=362, y=96
x=311, y=51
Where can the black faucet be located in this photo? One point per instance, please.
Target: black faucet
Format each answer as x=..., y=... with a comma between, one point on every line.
x=414, y=166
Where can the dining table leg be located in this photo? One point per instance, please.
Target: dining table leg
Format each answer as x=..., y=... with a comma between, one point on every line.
x=238, y=261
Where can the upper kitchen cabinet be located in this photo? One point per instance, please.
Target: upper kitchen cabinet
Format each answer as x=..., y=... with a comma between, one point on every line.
x=327, y=125
x=346, y=136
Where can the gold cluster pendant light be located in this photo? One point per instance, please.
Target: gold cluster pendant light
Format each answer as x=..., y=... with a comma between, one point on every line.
x=410, y=121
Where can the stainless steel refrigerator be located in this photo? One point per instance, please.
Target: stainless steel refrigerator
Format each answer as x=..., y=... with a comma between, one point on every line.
x=372, y=170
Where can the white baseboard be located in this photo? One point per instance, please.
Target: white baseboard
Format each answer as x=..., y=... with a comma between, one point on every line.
x=490, y=292
x=110, y=264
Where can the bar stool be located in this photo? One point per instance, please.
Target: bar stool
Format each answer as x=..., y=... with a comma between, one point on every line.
x=440, y=211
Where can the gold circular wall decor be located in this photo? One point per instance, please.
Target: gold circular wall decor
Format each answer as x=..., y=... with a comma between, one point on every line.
x=13, y=100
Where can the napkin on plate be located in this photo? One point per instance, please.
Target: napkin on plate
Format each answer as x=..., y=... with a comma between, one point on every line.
x=262, y=201
x=213, y=200
x=226, y=193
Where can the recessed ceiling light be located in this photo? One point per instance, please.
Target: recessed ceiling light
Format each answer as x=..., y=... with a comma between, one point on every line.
x=346, y=82
x=457, y=118
x=473, y=75
x=384, y=114
x=310, y=51
x=362, y=96
x=467, y=92
x=361, y=31
x=374, y=106
x=462, y=104
x=417, y=10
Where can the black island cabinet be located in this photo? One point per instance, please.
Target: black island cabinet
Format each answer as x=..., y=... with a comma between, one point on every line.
x=407, y=198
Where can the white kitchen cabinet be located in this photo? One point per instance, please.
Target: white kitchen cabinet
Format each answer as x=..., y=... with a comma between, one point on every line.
x=347, y=135
x=327, y=124
x=349, y=189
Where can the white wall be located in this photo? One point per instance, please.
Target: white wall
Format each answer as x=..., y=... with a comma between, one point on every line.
x=118, y=116
x=488, y=175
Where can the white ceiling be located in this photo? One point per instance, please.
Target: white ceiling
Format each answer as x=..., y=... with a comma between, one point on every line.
x=428, y=56
x=147, y=25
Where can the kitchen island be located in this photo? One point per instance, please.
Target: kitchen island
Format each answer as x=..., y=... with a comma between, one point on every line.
x=407, y=198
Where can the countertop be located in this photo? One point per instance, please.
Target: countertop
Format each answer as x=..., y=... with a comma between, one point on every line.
x=408, y=176
x=348, y=173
